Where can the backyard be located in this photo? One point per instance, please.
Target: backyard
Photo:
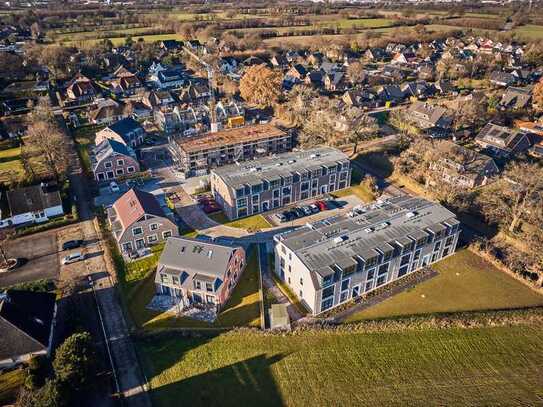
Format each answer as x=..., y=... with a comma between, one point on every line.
x=251, y=223
x=138, y=288
x=482, y=366
x=466, y=282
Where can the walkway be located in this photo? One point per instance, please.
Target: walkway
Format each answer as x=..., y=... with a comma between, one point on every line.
x=269, y=284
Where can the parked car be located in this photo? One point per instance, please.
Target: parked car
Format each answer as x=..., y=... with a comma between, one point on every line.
x=314, y=208
x=307, y=210
x=73, y=258
x=281, y=216
x=321, y=205
x=299, y=212
x=71, y=244
x=332, y=204
x=114, y=187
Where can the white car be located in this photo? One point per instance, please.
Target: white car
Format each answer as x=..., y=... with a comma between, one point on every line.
x=73, y=257
x=114, y=187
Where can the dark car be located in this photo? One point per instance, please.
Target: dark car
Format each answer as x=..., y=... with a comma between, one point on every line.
x=331, y=204
x=290, y=215
x=299, y=212
x=71, y=244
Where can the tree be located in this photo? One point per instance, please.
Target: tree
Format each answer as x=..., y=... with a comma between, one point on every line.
x=73, y=361
x=401, y=122
x=360, y=126
x=46, y=140
x=356, y=72
x=516, y=197
x=49, y=395
x=537, y=95
x=260, y=85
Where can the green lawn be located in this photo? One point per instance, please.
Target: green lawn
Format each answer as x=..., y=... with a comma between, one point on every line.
x=10, y=164
x=447, y=367
x=243, y=308
x=253, y=222
x=466, y=282
x=9, y=385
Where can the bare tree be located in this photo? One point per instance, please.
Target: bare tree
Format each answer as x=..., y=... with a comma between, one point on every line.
x=46, y=140
x=356, y=72
x=359, y=126
x=516, y=197
x=260, y=85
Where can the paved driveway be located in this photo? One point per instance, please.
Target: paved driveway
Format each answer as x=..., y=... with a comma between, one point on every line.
x=41, y=251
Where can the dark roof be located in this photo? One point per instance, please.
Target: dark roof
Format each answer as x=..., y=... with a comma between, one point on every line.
x=33, y=198
x=125, y=126
x=25, y=322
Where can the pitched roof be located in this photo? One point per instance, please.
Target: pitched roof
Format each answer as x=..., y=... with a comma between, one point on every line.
x=33, y=198
x=134, y=204
x=125, y=126
x=25, y=322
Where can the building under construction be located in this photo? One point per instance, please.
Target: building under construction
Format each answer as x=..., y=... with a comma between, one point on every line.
x=196, y=155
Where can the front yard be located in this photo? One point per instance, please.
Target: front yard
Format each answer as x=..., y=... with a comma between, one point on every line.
x=434, y=367
x=138, y=288
x=466, y=282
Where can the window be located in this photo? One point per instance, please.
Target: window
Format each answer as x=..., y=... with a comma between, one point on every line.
x=120, y=162
x=120, y=171
x=345, y=284
x=328, y=292
x=209, y=287
x=344, y=296
x=437, y=245
x=403, y=270
x=152, y=238
x=130, y=169
x=327, y=304
x=210, y=299
x=197, y=285
x=108, y=164
x=405, y=259
x=445, y=252
x=304, y=186
x=164, y=278
x=175, y=280
x=301, y=281
x=286, y=190
x=371, y=262
x=153, y=226
x=449, y=241
x=327, y=280
x=239, y=192
x=371, y=273
x=167, y=234
x=381, y=280
x=137, y=231
x=421, y=242
x=276, y=193
x=256, y=189
x=241, y=202
x=416, y=256
x=383, y=269
x=368, y=286
x=255, y=198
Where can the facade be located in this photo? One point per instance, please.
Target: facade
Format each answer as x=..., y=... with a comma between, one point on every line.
x=126, y=131
x=112, y=160
x=199, y=272
x=502, y=141
x=27, y=321
x=32, y=204
x=137, y=221
x=196, y=155
x=332, y=261
x=275, y=181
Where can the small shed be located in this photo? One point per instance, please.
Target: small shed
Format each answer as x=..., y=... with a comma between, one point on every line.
x=279, y=318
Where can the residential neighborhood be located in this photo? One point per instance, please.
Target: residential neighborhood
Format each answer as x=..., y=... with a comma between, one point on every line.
x=271, y=203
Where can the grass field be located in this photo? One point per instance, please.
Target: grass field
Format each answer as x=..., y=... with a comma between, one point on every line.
x=361, y=191
x=9, y=385
x=10, y=164
x=254, y=222
x=530, y=32
x=448, y=367
x=120, y=40
x=466, y=282
x=243, y=308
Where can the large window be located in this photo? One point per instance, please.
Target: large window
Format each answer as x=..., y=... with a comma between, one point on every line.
x=405, y=259
x=327, y=304
x=345, y=284
x=371, y=274
x=403, y=270
x=328, y=292
x=137, y=231
x=209, y=287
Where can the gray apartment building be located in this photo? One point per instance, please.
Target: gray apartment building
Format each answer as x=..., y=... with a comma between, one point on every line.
x=334, y=260
x=195, y=156
x=275, y=181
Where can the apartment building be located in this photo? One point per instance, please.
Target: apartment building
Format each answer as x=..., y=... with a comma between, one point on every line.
x=271, y=182
x=331, y=261
x=196, y=155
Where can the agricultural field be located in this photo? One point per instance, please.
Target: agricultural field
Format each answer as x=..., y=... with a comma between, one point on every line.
x=466, y=282
x=453, y=367
x=529, y=32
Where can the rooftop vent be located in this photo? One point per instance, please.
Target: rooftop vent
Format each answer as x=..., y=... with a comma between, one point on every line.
x=410, y=215
x=339, y=239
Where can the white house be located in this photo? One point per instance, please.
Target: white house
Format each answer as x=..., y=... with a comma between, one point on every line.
x=33, y=204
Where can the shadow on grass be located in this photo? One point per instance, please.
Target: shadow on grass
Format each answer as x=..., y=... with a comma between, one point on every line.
x=244, y=383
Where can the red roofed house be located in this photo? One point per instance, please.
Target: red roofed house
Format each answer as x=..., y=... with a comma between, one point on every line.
x=80, y=89
x=137, y=221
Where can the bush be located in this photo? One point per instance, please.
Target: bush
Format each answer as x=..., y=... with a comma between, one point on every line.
x=74, y=361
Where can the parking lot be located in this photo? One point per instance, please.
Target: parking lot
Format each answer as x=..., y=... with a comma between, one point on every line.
x=41, y=255
x=345, y=204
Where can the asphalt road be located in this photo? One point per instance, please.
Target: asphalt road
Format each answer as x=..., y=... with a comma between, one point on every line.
x=42, y=256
